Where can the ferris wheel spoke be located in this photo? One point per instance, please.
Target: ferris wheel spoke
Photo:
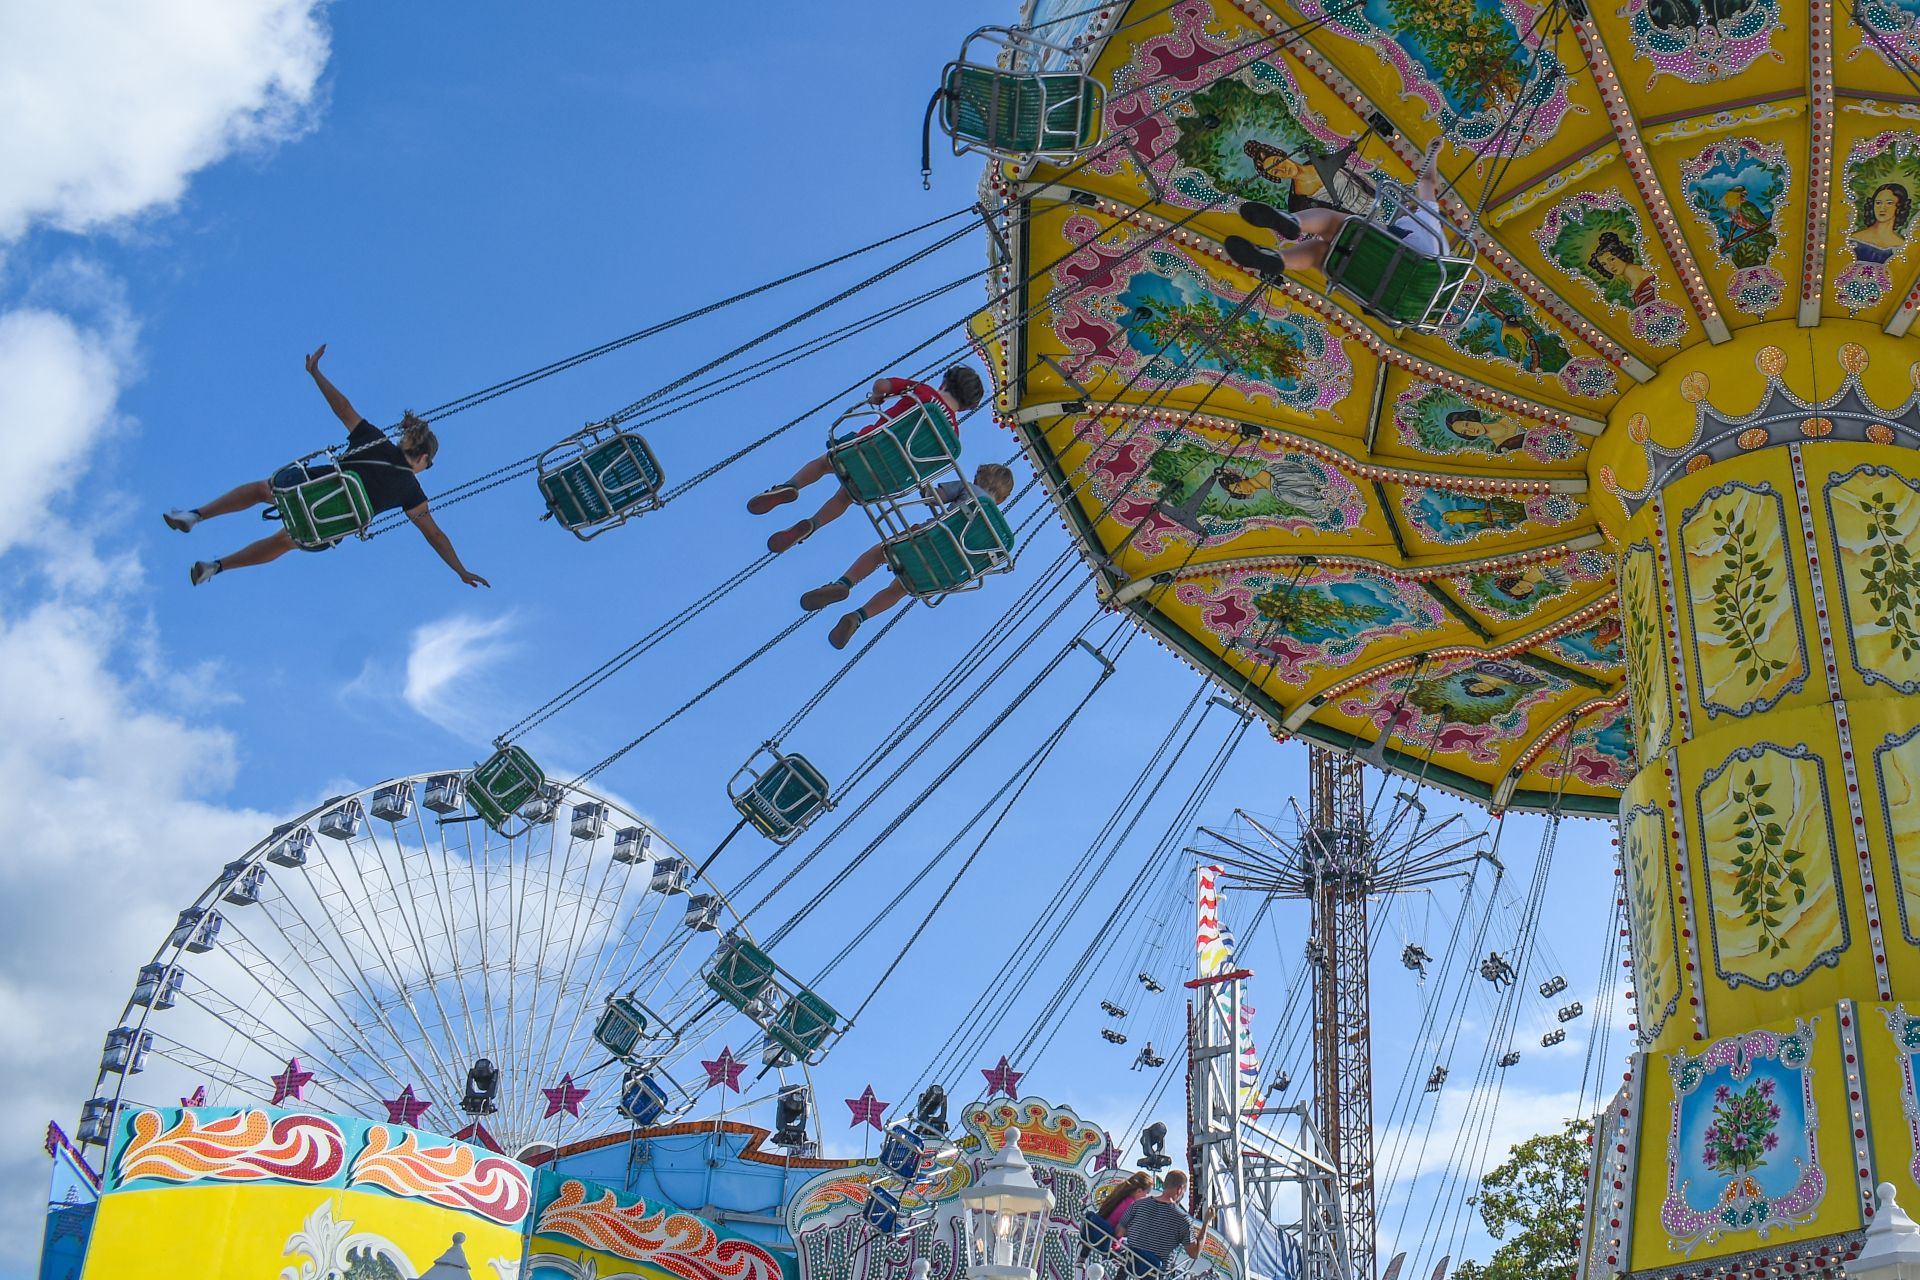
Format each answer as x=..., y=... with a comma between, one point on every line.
x=359, y=908
x=441, y=880
x=286, y=994
x=279, y=1047
x=353, y=993
x=406, y=907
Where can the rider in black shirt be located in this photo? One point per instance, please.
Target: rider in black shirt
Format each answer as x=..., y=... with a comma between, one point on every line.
x=388, y=471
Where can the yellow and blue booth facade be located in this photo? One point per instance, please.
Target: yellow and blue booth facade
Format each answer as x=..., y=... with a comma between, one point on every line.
x=244, y=1192
x=1633, y=535
x=221, y=1192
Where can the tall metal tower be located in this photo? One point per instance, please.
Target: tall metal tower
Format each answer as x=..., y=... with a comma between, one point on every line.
x=1337, y=850
x=1338, y=862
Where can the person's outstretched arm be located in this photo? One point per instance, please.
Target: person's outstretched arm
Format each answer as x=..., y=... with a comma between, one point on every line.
x=1198, y=1241
x=437, y=539
x=335, y=401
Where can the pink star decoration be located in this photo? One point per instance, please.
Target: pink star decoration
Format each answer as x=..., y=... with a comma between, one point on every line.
x=1109, y=1157
x=290, y=1082
x=866, y=1108
x=724, y=1070
x=566, y=1096
x=198, y=1098
x=406, y=1109
x=1002, y=1079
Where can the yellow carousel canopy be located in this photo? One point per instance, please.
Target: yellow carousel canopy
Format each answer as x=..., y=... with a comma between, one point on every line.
x=1404, y=544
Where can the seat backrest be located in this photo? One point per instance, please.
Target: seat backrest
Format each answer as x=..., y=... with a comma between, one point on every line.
x=1383, y=274
x=804, y=1024
x=741, y=972
x=1000, y=110
x=324, y=509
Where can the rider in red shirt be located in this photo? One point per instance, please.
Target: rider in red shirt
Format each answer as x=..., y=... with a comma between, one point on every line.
x=960, y=390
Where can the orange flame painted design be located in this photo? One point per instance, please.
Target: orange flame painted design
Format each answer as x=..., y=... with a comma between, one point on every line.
x=676, y=1242
x=246, y=1146
x=453, y=1175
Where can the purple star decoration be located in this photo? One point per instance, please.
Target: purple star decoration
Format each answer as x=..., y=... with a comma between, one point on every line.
x=198, y=1098
x=1109, y=1157
x=290, y=1082
x=866, y=1108
x=406, y=1109
x=1002, y=1079
x=566, y=1096
x=724, y=1070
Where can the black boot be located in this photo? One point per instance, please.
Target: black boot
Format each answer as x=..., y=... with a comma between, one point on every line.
x=1264, y=263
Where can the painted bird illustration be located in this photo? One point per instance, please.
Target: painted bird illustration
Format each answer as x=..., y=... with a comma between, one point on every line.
x=1747, y=218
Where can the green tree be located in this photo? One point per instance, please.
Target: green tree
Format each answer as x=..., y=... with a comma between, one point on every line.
x=1472, y=50
x=1536, y=1195
x=1268, y=352
x=1304, y=610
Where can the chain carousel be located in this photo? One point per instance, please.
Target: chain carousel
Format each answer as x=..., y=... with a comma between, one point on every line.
x=1593, y=502
x=1509, y=396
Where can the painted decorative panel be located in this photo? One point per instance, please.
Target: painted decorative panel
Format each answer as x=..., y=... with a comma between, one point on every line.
x=1438, y=420
x=1649, y=686
x=1749, y=647
x=1905, y=1031
x=1598, y=239
x=1742, y=1153
x=1654, y=928
x=1737, y=189
x=1775, y=907
x=1879, y=180
x=1896, y=772
x=1299, y=622
x=1874, y=516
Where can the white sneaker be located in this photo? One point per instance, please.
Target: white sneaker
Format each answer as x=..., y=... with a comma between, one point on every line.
x=181, y=519
x=203, y=571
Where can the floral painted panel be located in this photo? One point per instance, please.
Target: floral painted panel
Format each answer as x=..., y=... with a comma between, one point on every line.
x=1749, y=648
x=1742, y=1151
x=1775, y=905
x=1874, y=515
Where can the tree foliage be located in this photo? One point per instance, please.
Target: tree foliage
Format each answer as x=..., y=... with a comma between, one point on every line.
x=1536, y=1196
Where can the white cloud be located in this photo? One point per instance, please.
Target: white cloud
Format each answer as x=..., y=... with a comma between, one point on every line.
x=109, y=804
x=59, y=380
x=442, y=661
x=108, y=107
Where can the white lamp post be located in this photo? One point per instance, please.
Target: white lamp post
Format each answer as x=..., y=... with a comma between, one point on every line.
x=1891, y=1250
x=1007, y=1214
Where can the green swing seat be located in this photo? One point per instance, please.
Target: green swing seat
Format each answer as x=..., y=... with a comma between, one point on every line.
x=781, y=798
x=741, y=973
x=607, y=482
x=1020, y=113
x=895, y=454
x=952, y=553
x=803, y=1024
x=1393, y=281
x=622, y=1023
x=498, y=787
x=319, y=508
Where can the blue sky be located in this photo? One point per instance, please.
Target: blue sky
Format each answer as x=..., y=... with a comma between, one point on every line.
x=447, y=195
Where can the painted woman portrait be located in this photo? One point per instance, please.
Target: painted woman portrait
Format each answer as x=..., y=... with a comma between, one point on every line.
x=1613, y=259
x=1882, y=232
x=1499, y=434
x=1275, y=165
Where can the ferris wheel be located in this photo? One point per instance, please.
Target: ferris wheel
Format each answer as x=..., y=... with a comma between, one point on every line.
x=385, y=954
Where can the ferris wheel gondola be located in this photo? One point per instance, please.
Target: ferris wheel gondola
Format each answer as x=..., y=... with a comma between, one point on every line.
x=371, y=954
